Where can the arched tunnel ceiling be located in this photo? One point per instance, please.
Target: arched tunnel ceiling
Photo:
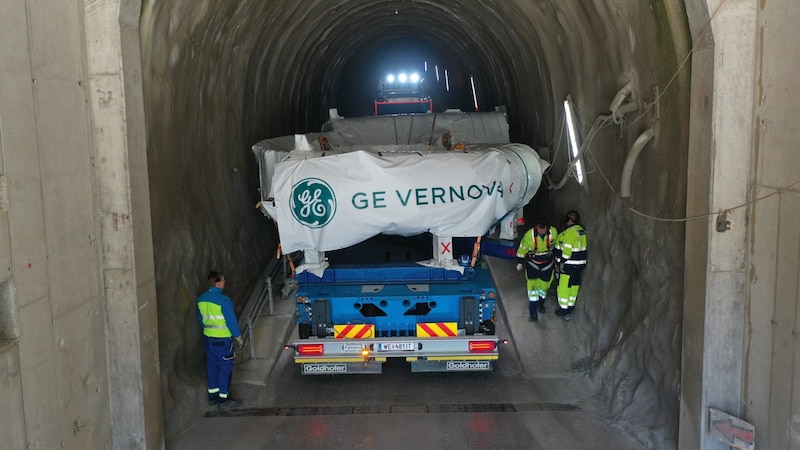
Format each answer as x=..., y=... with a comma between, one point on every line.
x=219, y=76
x=322, y=39
x=303, y=51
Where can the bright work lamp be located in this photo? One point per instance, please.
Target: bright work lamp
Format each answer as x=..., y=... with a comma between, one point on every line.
x=573, y=140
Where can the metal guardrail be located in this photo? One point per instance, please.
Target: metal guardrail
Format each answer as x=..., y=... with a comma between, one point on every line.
x=264, y=293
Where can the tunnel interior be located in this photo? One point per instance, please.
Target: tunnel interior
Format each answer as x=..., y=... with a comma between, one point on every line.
x=219, y=76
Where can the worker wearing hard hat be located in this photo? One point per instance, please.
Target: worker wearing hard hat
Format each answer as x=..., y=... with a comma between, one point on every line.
x=221, y=337
x=535, y=254
x=570, y=256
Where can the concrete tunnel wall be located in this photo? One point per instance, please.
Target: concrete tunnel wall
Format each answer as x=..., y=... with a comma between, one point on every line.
x=78, y=326
x=87, y=281
x=220, y=76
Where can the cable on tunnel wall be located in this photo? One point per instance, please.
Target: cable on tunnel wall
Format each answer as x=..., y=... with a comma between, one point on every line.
x=648, y=107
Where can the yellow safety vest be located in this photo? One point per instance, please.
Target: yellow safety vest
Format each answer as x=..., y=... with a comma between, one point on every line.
x=214, y=324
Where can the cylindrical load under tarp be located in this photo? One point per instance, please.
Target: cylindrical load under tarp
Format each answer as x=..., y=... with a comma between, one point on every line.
x=332, y=202
x=382, y=134
x=489, y=127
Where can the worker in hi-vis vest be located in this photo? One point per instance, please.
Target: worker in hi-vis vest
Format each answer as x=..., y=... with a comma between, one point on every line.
x=535, y=254
x=221, y=337
x=570, y=256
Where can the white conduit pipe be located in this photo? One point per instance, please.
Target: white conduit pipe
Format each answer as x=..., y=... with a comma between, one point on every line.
x=617, y=102
x=627, y=169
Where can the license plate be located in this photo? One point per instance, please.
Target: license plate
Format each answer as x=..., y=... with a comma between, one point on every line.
x=395, y=346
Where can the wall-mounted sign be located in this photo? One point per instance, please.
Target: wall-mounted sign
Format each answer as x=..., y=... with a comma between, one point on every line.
x=731, y=430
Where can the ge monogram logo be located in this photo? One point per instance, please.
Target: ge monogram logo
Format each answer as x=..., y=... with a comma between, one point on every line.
x=313, y=203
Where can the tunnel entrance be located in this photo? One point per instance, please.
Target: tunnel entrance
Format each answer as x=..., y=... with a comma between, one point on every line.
x=219, y=78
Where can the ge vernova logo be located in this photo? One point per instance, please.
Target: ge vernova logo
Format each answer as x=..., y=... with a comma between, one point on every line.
x=313, y=203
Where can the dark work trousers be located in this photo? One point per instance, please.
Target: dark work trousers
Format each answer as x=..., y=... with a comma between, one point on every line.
x=219, y=364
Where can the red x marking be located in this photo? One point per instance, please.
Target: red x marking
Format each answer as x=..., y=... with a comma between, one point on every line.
x=446, y=247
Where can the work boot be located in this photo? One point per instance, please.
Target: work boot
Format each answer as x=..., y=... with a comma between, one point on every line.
x=213, y=399
x=228, y=403
x=541, y=307
x=533, y=319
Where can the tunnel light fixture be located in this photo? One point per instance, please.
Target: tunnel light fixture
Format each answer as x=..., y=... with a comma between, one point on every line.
x=446, y=81
x=474, y=94
x=573, y=139
x=436, y=67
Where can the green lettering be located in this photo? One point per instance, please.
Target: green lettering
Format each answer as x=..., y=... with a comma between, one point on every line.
x=404, y=201
x=360, y=201
x=378, y=201
x=437, y=192
x=454, y=193
x=471, y=192
x=421, y=197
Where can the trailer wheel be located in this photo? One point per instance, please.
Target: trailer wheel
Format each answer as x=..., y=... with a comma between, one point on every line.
x=304, y=330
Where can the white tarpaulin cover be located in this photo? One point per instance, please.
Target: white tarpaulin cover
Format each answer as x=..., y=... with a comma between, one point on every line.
x=332, y=202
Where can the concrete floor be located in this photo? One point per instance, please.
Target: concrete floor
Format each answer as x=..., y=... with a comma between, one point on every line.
x=521, y=404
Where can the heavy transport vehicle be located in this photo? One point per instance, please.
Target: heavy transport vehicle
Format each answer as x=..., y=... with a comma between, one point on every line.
x=403, y=94
x=373, y=188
